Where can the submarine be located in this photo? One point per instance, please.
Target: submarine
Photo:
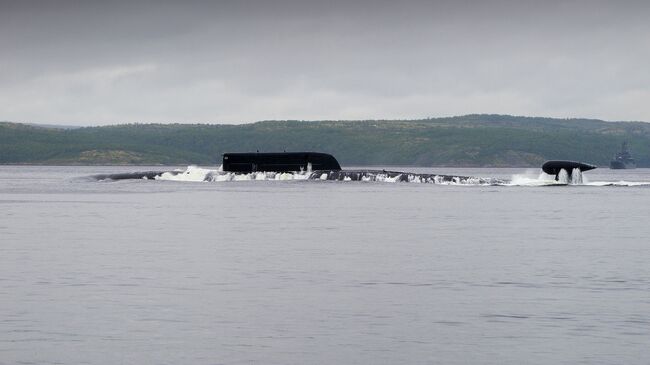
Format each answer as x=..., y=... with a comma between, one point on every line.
x=324, y=166
x=318, y=161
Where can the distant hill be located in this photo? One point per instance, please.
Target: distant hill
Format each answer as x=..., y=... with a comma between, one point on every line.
x=471, y=140
x=54, y=126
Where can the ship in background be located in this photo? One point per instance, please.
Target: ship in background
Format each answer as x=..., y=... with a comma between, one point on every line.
x=623, y=159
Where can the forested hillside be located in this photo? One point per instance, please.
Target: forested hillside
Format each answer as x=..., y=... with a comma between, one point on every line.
x=472, y=140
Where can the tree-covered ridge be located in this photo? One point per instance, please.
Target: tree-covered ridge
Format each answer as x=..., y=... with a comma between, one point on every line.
x=471, y=140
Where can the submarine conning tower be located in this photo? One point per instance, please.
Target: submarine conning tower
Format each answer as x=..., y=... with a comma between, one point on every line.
x=278, y=161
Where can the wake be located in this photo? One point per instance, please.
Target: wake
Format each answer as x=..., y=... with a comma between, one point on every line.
x=199, y=174
x=195, y=173
x=577, y=177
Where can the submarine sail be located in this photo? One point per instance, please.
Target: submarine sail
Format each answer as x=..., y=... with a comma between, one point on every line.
x=279, y=162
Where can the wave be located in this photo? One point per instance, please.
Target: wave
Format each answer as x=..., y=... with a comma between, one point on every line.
x=199, y=174
x=544, y=179
x=619, y=183
x=195, y=173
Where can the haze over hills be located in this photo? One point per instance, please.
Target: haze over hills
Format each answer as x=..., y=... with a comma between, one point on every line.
x=470, y=140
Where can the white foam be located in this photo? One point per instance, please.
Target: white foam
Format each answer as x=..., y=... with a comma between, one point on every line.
x=197, y=174
x=533, y=179
x=544, y=179
x=192, y=173
x=577, y=178
x=386, y=178
x=529, y=178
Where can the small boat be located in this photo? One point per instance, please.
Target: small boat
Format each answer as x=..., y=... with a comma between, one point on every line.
x=623, y=160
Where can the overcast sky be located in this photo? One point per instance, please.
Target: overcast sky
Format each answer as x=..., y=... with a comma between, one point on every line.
x=106, y=62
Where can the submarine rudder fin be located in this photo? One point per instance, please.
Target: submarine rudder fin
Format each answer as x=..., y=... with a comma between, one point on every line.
x=555, y=167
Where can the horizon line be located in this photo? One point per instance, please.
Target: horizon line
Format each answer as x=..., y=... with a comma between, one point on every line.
x=70, y=126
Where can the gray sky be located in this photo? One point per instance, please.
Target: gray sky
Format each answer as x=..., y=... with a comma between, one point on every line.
x=106, y=62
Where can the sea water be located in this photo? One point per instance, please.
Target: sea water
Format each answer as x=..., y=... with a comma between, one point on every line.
x=290, y=271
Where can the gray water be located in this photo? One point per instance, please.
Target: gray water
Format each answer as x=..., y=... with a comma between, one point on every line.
x=311, y=272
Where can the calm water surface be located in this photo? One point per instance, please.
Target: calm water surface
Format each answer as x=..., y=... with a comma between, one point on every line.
x=310, y=272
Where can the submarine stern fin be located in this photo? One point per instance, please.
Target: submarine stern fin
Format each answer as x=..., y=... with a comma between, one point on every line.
x=554, y=167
